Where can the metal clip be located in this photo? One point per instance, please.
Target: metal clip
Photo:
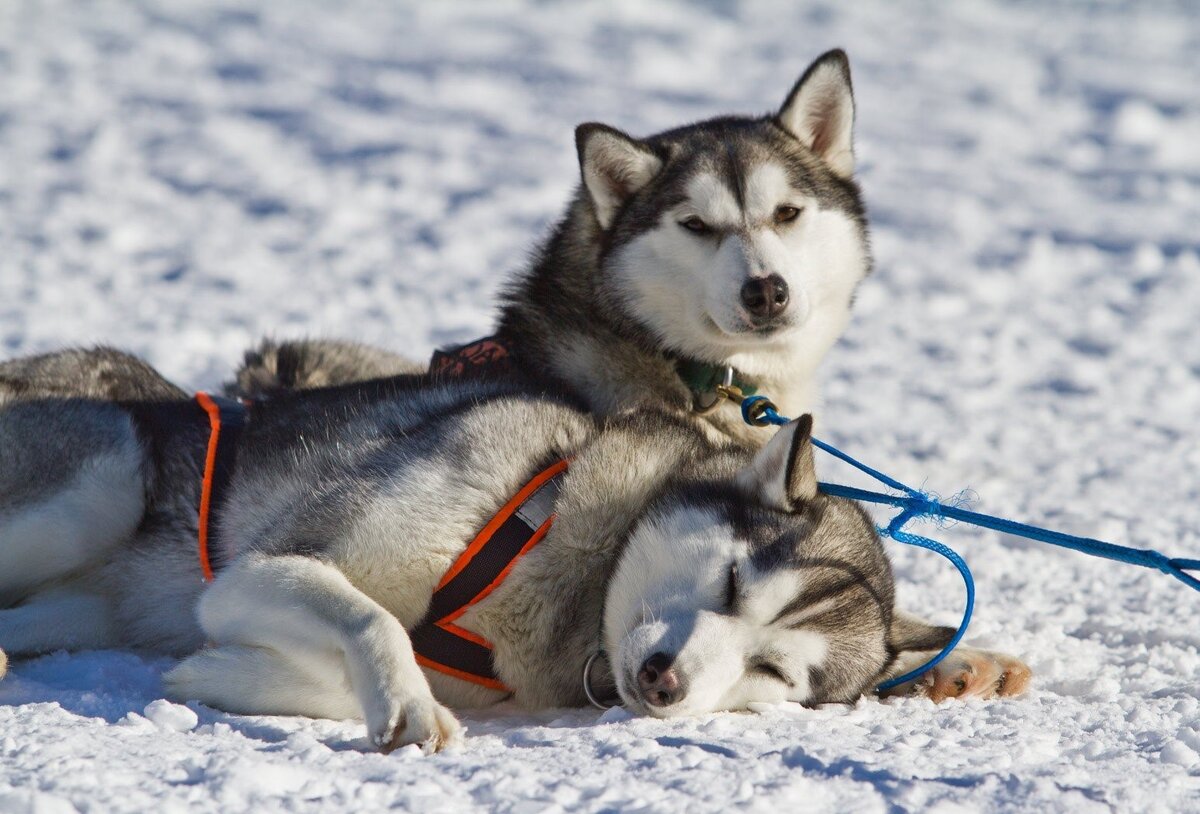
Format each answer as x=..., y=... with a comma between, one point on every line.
x=728, y=389
x=754, y=413
x=707, y=402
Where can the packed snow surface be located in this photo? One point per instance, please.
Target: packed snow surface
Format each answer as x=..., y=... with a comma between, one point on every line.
x=181, y=177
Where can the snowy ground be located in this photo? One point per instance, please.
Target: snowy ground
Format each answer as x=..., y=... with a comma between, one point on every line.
x=180, y=178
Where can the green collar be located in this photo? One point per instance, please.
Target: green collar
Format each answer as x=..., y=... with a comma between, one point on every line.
x=702, y=378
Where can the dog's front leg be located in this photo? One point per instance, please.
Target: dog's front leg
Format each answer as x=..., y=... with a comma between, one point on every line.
x=308, y=610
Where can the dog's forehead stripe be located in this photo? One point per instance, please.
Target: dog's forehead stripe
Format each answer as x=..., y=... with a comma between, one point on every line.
x=769, y=593
x=767, y=186
x=713, y=200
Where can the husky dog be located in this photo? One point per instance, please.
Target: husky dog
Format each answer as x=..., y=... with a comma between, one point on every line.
x=712, y=576
x=735, y=242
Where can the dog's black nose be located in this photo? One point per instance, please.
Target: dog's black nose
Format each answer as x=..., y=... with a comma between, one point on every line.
x=765, y=297
x=658, y=681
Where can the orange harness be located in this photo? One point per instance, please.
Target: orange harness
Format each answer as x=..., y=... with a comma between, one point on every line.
x=226, y=419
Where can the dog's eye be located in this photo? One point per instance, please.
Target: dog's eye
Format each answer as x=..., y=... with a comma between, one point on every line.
x=731, y=587
x=694, y=224
x=765, y=668
x=786, y=214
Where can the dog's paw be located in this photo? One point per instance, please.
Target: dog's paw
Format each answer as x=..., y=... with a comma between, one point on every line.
x=3, y=664
x=422, y=721
x=969, y=673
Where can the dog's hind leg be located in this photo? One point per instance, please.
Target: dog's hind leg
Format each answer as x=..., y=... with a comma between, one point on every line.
x=965, y=673
x=62, y=618
x=71, y=489
x=309, y=610
x=254, y=680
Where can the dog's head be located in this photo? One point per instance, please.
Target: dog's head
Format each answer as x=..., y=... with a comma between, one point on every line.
x=735, y=235
x=755, y=588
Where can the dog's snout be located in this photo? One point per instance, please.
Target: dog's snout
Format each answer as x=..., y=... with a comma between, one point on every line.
x=765, y=297
x=659, y=683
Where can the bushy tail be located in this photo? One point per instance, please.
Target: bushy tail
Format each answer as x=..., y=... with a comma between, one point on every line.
x=303, y=364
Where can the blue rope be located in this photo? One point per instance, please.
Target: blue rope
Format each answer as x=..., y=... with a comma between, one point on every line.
x=913, y=503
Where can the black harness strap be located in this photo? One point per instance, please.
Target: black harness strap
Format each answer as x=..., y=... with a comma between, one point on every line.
x=438, y=642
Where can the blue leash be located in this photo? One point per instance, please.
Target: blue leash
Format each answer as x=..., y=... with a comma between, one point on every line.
x=758, y=411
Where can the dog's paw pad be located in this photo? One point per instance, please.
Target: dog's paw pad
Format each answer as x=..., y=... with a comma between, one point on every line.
x=1014, y=677
x=975, y=674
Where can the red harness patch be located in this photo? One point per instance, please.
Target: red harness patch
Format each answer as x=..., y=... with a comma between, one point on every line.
x=490, y=354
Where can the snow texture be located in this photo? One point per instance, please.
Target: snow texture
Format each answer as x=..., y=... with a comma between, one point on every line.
x=179, y=177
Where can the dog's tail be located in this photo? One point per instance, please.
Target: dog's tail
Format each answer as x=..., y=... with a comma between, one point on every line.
x=303, y=364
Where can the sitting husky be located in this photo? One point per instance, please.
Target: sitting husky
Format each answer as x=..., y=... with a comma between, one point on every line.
x=711, y=576
x=732, y=245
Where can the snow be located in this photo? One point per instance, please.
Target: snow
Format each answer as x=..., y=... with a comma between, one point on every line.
x=180, y=177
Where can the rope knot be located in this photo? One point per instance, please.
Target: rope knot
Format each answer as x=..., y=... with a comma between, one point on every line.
x=925, y=504
x=930, y=505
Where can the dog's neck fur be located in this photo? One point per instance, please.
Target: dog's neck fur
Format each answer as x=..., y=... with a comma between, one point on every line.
x=550, y=316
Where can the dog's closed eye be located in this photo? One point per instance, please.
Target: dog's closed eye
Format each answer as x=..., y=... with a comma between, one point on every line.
x=769, y=670
x=731, y=588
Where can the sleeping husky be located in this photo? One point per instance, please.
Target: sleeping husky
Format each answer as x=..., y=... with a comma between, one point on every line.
x=710, y=576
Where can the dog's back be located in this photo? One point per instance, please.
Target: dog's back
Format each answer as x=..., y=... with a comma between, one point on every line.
x=102, y=460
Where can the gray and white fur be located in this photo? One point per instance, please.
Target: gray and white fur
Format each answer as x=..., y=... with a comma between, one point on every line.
x=712, y=576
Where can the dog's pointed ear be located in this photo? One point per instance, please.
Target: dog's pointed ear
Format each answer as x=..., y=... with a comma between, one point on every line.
x=782, y=474
x=614, y=166
x=820, y=111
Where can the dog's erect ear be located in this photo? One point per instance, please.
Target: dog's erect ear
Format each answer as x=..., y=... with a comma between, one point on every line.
x=614, y=167
x=820, y=112
x=782, y=474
